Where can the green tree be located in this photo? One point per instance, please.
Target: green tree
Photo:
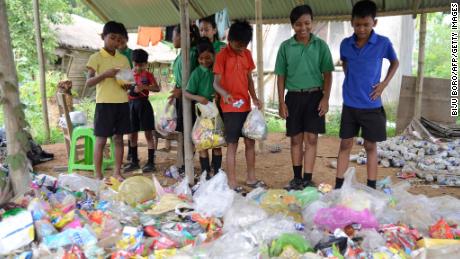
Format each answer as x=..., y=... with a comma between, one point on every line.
x=437, y=51
x=78, y=8
x=20, y=18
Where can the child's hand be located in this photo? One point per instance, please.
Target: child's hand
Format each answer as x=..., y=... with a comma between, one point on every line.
x=203, y=100
x=137, y=89
x=111, y=72
x=283, y=110
x=378, y=89
x=228, y=99
x=257, y=103
x=175, y=93
x=323, y=106
x=126, y=87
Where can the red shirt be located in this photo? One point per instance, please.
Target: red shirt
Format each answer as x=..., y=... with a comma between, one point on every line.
x=142, y=78
x=234, y=69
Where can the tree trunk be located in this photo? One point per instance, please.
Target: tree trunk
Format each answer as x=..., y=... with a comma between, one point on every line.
x=41, y=65
x=17, y=137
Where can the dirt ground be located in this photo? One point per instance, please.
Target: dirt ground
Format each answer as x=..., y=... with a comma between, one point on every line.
x=273, y=168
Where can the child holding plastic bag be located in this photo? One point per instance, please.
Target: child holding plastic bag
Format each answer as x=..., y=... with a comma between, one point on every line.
x=200, y=89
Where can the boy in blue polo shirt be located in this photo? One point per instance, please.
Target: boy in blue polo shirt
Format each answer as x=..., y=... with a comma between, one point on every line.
x=362, y=55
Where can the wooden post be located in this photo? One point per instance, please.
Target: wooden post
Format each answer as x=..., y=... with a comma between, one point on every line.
x=16, y=136
x=41, y=65
x=260, y=61
x=185, y=50
x=421, y=64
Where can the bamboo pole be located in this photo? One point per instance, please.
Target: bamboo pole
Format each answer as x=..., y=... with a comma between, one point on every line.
x=185, y=50
x=16, y=136
x=260, y=61
x=420, y=72
x=41, y=66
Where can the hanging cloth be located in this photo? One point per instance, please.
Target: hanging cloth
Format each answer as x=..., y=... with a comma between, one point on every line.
x=149, y=35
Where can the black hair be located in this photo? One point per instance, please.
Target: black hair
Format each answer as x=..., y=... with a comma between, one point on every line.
x=364, y=9
x=211, y=20
x=113, y=27
x=194, y=34
x=140, y=56
x=203, y=45
x=240, y=31
x=125, y=32
x=300, y=10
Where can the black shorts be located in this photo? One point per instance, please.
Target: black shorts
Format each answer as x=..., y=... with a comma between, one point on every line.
x=372, y=123
x=111, y=119
x=303, y=113
x=180, y=115
x=233, y=125
x=142, y=117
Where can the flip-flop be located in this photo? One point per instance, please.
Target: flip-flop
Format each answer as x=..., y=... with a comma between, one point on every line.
x=257, y=184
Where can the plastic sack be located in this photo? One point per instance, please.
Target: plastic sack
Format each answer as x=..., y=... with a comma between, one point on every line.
x=241, y=244
x=208, y=131
x=295, y=240
x=306, y=196
x=339, y=217
x=276, y=201
x=309, y=212
x=242, y=214
x=272, y=227
x=136, y=189
x=214, y=197
x=372, y=240
x=358, y=197
x=441, y=230
x=125, y=77
x=78, y=118
x=183, y=189
x=255, y=126
x=80, y=236
x=16, y=231
x=76, y=182
x=167, y=121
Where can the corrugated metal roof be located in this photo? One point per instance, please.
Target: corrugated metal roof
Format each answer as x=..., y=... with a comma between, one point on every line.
x=134, y=13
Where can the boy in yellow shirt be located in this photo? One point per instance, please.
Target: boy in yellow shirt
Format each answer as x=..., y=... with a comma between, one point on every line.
x=111, y=116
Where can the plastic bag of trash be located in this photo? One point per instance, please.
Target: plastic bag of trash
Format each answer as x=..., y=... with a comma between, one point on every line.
x=295, y=240
x=255, y=126
x=208, y=131
x=358, y=196
x=372, y=240
x=309, y=212
x=277, y=201
x=214, y=197
x=16, y=231
x=125, y=77
x=272, y=227
x=167, y=121
x=241, y=244
x=307, y=195
x=242, y=214
x=339, y=217
x=76, y=182
x=136, y=189
x=78, y=118
x=183, y=188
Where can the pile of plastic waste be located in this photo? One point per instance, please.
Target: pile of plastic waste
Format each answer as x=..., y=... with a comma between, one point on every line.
x=78, y=217
x=438, y=163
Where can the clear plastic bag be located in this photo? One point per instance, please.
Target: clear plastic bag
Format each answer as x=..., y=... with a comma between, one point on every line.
x=125, y=77
x=309, y=212
x=255, y=126
x=183, y=188
x=214, y=197
x=167, y=121
x=208, y=131
x=339, y=217
x=242, y=214
x=358, y=196
x=76, y=182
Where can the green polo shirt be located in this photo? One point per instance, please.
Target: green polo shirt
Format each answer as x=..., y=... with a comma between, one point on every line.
x=128, y=53
x=177, y=66
x=200, y=83
x=303, y=65
x=218, y=45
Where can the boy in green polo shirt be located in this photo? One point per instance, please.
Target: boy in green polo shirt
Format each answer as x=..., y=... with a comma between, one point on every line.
x=303, y=66
x=200, y=89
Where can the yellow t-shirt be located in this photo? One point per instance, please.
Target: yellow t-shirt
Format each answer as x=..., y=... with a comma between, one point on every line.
x=108, y=90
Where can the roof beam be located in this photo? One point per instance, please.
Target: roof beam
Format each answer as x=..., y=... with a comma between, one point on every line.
x=197, y=8
x=95, y=9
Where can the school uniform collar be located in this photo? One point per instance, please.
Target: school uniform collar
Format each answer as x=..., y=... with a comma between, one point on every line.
x=293, y=41
x=231, y=52
x=372, y=38
x=106, y=54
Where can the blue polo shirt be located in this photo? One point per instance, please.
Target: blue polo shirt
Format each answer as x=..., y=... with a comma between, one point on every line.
x=364, y=69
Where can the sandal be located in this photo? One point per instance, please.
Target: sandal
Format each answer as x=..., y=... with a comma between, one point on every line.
x=239, y=189
x=257, y=184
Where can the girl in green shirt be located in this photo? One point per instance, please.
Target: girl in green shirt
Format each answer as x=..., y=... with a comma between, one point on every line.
x=200, y=89
x=208, y=29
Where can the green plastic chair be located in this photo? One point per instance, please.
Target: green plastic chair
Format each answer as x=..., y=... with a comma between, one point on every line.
x=87, y=163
